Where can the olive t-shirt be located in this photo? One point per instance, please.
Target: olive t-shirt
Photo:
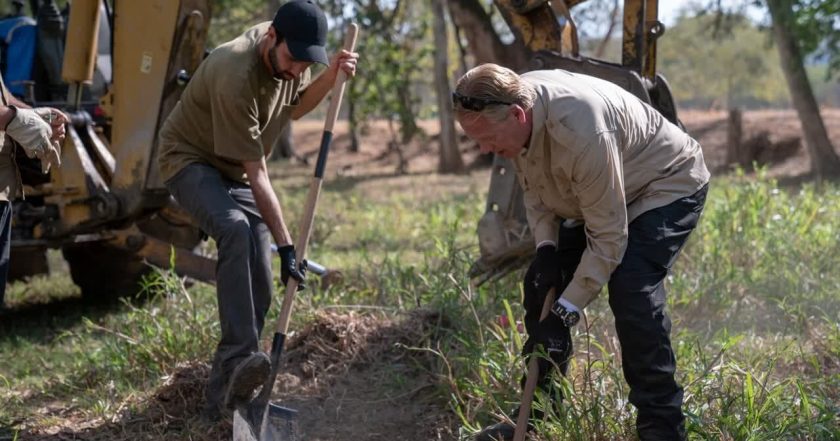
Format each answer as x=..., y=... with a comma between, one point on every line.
x=231, y=111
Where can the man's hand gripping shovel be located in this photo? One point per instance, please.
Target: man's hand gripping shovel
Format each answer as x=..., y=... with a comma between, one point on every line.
x=261, y=420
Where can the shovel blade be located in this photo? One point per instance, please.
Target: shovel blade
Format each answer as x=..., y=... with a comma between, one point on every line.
x=279, y=424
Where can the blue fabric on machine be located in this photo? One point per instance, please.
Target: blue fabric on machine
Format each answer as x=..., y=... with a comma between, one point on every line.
x=19, y=35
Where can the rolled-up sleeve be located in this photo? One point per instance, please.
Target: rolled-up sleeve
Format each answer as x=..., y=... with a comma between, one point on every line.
x=598, y=183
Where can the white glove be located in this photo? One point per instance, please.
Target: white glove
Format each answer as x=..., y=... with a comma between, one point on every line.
x=34, y=134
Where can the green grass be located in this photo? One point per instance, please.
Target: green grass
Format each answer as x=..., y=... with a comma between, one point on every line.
x=754, y=299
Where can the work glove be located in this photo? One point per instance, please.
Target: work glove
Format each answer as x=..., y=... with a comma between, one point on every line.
x=553, y=337
x=546, y=269
x=552, y=334
x=35, y=136
x=289, y=266
x=56, y=119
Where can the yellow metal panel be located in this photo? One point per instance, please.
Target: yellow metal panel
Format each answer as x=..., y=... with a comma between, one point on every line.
x=187, y=53
x=80, y=49
x=70, y=185
x=143, y=39
x=538, y=27
x=651, y=20
x=633, y=41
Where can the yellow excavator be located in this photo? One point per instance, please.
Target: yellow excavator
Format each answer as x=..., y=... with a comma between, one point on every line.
x=117, y=68
x=550, y=35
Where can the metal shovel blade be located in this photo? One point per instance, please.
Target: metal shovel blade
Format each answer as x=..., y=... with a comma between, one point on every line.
x=280, y=424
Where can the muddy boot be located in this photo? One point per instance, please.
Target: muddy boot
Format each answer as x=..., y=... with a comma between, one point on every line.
x=249, y=374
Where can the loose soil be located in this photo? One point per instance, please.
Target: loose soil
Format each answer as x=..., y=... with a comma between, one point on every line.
x=350, y=377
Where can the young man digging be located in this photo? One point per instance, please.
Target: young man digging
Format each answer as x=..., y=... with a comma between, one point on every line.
x=214, y=146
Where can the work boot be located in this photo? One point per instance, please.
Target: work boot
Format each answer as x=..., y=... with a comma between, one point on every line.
x=249, y=374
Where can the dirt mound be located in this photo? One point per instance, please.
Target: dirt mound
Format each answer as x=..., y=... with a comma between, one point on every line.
x=350, y=376
x=355, y=377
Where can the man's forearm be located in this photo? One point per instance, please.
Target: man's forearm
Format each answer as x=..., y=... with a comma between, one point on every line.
x=18, y=103
x=268, y=204
x=6, y=115
x=314, y=94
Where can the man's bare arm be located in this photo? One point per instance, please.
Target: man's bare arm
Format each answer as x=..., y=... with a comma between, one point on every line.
x=18, y=103
x=320, y=86
x=267, y=202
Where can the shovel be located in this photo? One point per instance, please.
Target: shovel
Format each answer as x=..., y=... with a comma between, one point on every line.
x=531, y=379
x=261, y=420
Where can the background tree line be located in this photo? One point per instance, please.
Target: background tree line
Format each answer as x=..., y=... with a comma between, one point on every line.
x=715, y=57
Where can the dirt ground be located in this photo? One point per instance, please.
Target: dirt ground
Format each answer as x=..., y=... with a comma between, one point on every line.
x=348, y=375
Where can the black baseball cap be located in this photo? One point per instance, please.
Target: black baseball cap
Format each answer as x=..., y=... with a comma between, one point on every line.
x=303, y=26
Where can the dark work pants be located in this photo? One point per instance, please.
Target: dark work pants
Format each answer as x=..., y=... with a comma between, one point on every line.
x=226, y=211
x=637, y=299
x=5, y=246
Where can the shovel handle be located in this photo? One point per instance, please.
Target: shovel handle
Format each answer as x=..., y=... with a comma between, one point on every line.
x=315, y=184
x=531, y=380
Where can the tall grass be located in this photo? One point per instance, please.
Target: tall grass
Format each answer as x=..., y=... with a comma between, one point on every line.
x=754, y=299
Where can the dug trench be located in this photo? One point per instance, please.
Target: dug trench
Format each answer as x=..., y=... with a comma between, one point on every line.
x=350, y=376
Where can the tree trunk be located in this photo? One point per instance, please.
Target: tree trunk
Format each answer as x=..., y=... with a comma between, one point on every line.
x=602, y=46
x=284, y=149
x=734, y=136
x=824, y=160
x=354, y=125
x=450, y=157
x=482, y=39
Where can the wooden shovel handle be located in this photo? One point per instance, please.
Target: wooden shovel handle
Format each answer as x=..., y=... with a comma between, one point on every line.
x=315, y=184
x=531, y=380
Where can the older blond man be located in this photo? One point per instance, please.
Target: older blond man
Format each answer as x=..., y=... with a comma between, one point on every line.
x=612, y=191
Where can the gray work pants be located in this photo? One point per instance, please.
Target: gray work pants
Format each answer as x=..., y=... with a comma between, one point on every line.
x=226, y=211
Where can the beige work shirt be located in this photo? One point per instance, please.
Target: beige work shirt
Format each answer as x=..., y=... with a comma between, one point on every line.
x=599, y=154
x=9, y=182
x=231, y=111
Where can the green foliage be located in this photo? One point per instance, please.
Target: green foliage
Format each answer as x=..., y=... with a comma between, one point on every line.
x=395, y=44
x=754, y=298
x=817, y=24
x=717, y=69
x=230, y=18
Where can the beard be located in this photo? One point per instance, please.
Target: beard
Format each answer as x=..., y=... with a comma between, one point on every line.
x=275, y=66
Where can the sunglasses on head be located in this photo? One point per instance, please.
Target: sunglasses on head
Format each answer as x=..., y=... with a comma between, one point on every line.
x=474, y=104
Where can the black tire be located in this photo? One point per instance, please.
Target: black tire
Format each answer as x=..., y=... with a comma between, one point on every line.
x=104, y=272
